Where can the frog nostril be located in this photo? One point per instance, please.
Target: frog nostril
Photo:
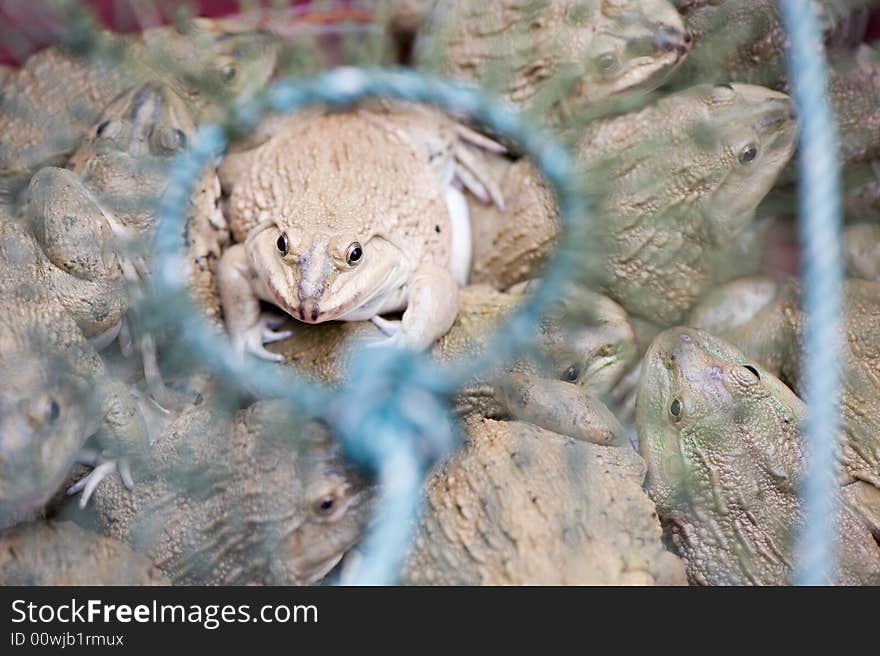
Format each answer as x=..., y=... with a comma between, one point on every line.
x=309, y=310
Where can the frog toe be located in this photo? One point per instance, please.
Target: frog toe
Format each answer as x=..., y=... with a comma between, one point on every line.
x=88, y=483
x=388, y=328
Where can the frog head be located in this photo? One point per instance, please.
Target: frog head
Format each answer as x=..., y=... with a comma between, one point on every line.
x=318, y=276
x=213, y=62
x=637, y=46
x=721, y=437
x=327, y=504
x=44, y=420
x=749, y=133
x=125, y=157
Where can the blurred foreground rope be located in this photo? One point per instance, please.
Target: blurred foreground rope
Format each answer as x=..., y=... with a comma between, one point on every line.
x=392, y=417
x=819, y=191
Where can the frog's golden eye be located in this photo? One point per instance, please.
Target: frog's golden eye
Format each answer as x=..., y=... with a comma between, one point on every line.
x=571, y=374
x=282, y=244
x=675, y=409
x=607, y=62
x=354, y=254
x=748, y=154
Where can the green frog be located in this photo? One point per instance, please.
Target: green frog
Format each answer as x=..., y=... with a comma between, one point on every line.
x=726, y=460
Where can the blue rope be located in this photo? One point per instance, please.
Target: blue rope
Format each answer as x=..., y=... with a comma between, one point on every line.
x=820, y=221
x=393, y=417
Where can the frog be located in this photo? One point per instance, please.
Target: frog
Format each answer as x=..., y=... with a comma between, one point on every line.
x=123, y=166
x=555, y=59
x=322, y=243
x=773, y=336
x=63, y=398
x=745, y=40
x=62, y=553
x=674, y=188
x=726, y=463
x=51, y=102
x=274, y=501
x=521, y=505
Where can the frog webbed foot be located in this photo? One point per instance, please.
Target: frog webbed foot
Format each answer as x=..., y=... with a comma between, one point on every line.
x=102, y=468
x=265, y=331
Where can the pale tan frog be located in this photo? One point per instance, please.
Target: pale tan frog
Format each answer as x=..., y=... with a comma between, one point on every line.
x=349, y=216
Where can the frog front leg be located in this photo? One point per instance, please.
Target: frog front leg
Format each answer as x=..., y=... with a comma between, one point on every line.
x=431, y=309
x=122, y=437
x=247, y=326
x=560, y=407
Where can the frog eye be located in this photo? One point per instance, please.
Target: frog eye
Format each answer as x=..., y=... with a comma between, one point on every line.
x=169, y=141
x=282, y=244
x=675, y=409
x=354, y=254
x=607, y=62
x=325, y=506
x=571, y=374
x=754, y=371
x=228, y=72
x=54, y=410
x=748, y=154
x=110, y=129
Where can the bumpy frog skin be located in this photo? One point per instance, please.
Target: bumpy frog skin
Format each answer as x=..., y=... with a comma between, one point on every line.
x=52, y=101
x=721, y=436
x=62, y=395
x=773, y=336
x=62, y=553
x=272, y=502
x=557, y=57
x=744, y=40
x=349, y=216
x=123, y=164
x=678, y=183
x=518, y=505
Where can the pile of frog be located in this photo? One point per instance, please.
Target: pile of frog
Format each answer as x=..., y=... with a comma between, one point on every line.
x=653, y=437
